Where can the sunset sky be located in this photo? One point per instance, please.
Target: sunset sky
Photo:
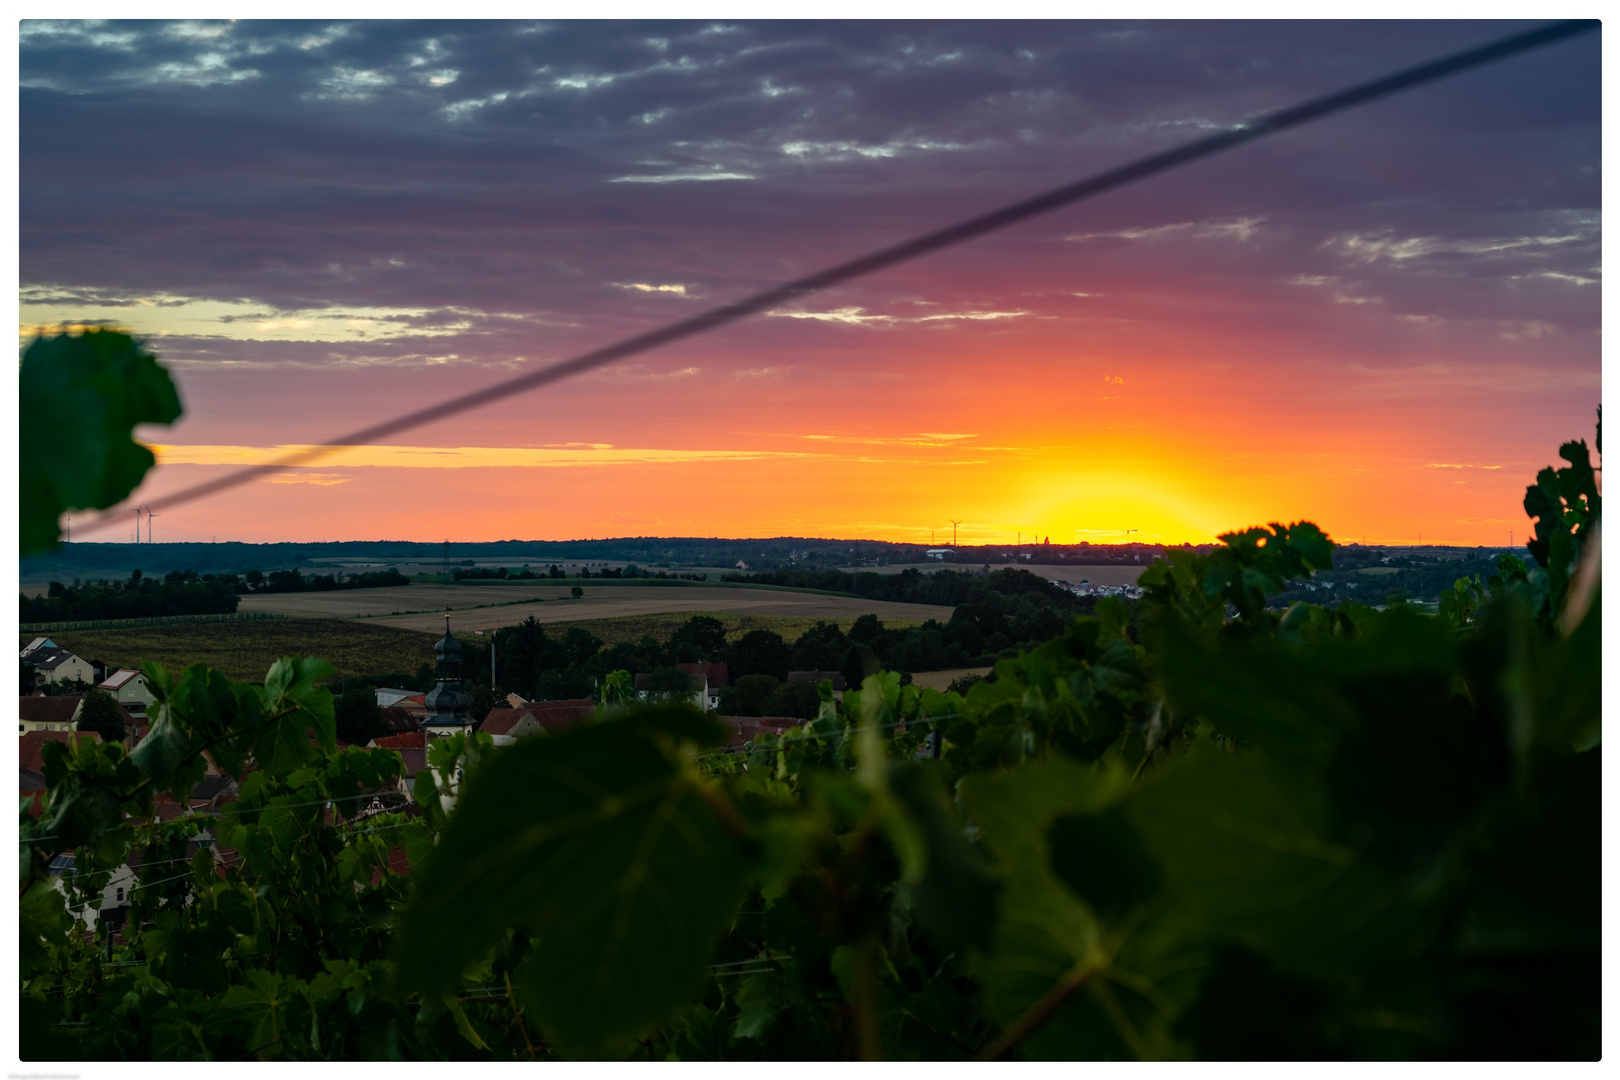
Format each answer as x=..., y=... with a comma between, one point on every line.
x=1384, y=322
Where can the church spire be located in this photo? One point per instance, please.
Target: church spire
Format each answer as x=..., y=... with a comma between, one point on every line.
x=448, y=702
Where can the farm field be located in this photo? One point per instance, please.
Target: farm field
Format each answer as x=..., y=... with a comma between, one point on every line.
x=245, y=650
x=353, y=603
x=472, y=607
x=941, y=680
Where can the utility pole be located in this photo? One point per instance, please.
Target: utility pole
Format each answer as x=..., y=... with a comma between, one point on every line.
x=447, y=558
x=492, y=658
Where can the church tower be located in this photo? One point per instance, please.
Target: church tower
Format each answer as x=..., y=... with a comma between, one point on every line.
x=448, y=703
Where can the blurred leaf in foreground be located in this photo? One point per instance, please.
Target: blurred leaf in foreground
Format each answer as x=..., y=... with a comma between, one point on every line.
x=80, y=398
x=605, y=845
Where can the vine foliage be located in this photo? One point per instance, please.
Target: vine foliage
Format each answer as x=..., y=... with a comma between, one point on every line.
x=1199, y=828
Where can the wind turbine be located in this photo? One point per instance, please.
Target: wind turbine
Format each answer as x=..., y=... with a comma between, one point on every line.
x=954, y=524
x=149, y=517
x=137, y=524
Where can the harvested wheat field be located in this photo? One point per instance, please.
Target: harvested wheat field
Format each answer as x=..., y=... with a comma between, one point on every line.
x=395, y=599
x=941, y=680
x=480, y=607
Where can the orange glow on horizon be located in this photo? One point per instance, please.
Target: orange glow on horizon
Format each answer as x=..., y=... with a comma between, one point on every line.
x=1172, y=437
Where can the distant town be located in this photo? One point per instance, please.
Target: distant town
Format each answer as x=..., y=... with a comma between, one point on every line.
x=670, y=554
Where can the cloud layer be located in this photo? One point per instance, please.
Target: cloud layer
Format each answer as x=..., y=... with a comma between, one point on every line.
x=322, y=224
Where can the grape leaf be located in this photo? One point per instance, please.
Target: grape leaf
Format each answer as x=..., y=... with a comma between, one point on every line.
x=44, y=922
x=81, y=397
x=601, y=843
x=955, y=900
x=1043, y=932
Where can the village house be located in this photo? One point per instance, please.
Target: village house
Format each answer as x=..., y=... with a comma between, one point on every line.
x=401, y=720
x=129, y=688
x=835, y=677
x=38, y=713
x=707, y=682
x=54, y=664
x=31, y=747
x=745, y=729
x=507, y=726
x=413, y=700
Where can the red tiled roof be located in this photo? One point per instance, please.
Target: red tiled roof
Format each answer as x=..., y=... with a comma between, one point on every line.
x=554, y=716
x=30, y=753
x=167, y=808
x=715, y=672
x=410, y=740
x=745, y=728
x=500, y=721
x=49, y=710
x=401, y=719
x=835, y=677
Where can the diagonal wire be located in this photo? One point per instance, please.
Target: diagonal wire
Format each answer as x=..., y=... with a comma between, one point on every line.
x=1248, y=131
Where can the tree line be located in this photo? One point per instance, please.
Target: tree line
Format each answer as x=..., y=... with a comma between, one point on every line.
x=946, y=588
x=555, y=572
x=183, y=592
x=542, y=665
x=180, y=592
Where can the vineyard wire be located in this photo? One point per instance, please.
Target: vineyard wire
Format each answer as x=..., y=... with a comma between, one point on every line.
x=1099, y=183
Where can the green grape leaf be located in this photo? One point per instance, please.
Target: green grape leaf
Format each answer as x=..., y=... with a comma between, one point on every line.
x=426, y=795
x=186, y=1031
x=603, y=844
x=1044, y=933
x=80, y=398
x=163, y=750
x=1102, y=858
x=44, y=923
x=417, y=842
x=463, y=1025
x=955, y=901
x=291, y=696
x=1245, y=855
x=262, y=1004
x=761, y=998
x=81, y=811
